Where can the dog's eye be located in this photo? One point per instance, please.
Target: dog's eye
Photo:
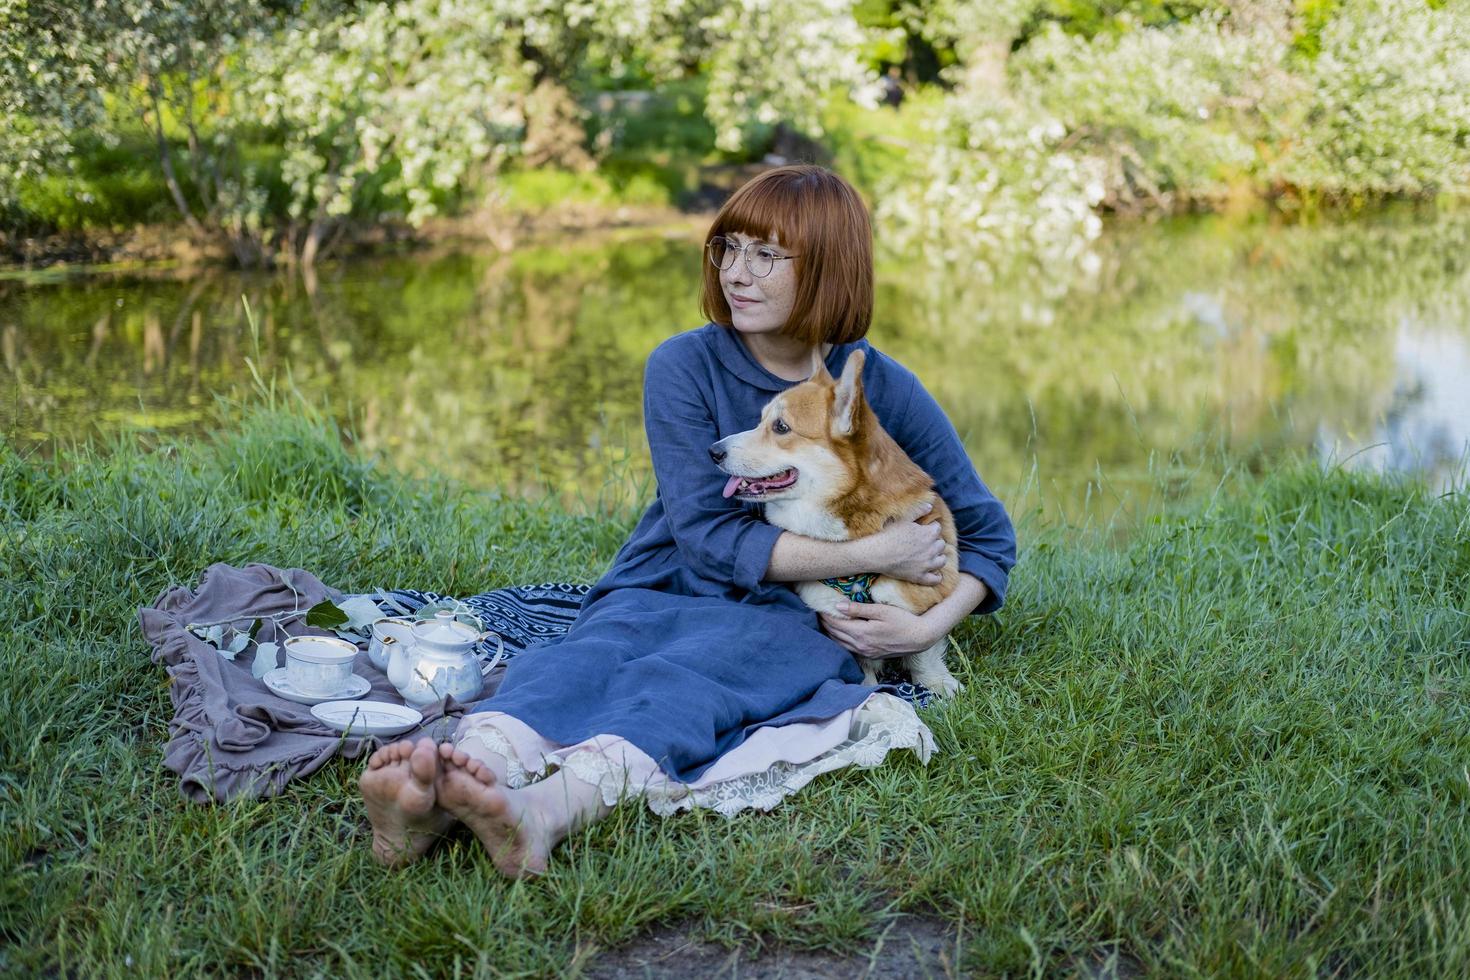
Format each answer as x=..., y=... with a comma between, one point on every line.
x=780, y=427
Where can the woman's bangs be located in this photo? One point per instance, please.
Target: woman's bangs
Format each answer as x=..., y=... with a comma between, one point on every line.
x=763, y=211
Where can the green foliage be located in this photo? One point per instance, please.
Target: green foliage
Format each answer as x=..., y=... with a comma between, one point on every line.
x=1192, y=114
x=1314, y=16
x=107, y=187
x=284, y=124
x=403, y=103
x=532, y=191
x=659, y=124
x=1389, y=106
x=1090, y=18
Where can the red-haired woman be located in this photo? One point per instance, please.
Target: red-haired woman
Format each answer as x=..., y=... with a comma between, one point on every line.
x=693, y=675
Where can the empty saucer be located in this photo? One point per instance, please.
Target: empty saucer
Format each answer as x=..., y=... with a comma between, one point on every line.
x=281, y=687
x=367, y=717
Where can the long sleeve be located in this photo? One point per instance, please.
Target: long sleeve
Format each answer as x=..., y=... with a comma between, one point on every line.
x=716, y=536
x=987, y=540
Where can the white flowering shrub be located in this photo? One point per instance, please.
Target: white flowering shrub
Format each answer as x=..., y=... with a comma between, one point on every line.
x=778, y=61
x=1389, y=106
x=964, y=25
x=994, y=192
x=1181, y=115
x=314, y=113
x=659, y=39
x=67, y=68
x=397, y=104
x=1169, y=113
x=50, y=88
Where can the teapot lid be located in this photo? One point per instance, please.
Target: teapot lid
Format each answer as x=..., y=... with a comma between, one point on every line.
x=444, y=630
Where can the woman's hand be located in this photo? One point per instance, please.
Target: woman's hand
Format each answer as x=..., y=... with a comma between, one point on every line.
x=909, y=550
x=878, y=631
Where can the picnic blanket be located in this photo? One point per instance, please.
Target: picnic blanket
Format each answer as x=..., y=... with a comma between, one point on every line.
x=230, y=737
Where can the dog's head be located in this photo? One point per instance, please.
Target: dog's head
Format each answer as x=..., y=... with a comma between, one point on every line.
x=803, y=447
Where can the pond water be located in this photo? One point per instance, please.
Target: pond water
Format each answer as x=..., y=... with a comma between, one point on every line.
x=1183, y=349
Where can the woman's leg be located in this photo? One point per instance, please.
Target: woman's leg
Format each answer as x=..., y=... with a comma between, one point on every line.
x=520, y=827
x=400, y=788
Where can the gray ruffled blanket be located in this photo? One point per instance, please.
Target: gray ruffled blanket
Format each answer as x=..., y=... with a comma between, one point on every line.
x=230, y=736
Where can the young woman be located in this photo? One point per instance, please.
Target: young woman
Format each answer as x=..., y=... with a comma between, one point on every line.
x=693, y=675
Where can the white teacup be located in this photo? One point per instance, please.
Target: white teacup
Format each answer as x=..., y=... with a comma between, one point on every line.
x=319, y=664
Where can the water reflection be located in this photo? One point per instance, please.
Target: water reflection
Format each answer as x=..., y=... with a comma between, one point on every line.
x=1426, y=425
x=1189, y=346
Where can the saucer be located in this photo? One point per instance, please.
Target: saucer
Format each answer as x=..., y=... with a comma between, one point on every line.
x=282, y=688
x=367, y=717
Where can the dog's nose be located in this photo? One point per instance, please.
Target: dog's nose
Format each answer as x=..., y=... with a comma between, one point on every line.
x=716, y=455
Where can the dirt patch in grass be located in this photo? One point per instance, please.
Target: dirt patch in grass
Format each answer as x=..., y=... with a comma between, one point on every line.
x=911, y=947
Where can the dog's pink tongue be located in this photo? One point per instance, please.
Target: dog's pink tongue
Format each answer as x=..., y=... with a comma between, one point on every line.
x=732, y=486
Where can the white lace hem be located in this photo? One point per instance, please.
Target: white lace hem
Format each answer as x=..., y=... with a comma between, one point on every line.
x=516, y=775
x=884, y=723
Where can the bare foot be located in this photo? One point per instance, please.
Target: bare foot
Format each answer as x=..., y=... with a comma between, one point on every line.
x=398, y=788
x=512, y=832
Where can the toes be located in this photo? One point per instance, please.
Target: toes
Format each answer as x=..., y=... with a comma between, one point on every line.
x=387, y=755
x=424, y=762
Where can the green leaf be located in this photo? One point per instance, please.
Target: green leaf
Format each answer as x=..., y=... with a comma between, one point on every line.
x=326, y=615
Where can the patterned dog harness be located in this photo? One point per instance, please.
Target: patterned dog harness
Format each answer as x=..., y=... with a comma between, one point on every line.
x=858, y=588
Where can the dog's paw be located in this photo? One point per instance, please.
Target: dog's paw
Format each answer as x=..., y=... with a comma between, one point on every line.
x=945, y=684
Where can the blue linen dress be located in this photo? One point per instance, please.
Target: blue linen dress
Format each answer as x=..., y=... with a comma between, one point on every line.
x=682, y=647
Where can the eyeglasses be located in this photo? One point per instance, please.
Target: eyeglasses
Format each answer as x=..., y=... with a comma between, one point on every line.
x=722, y=252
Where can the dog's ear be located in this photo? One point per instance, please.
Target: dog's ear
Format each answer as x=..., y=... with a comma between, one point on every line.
x=819, y=366
x=849, y=395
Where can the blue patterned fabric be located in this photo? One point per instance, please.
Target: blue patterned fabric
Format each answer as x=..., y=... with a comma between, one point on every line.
x=521, y=615
x=858, y=588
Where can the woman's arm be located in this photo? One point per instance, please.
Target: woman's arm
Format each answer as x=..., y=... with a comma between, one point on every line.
x=907, y=550
x=987, y=539
x=723, y=541
x=878, y=631
x=716, y=537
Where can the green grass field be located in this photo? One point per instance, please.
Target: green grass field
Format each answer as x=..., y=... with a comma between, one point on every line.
x=1235, y=744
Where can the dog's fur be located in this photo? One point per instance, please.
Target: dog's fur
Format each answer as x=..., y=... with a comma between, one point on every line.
x=834, y=474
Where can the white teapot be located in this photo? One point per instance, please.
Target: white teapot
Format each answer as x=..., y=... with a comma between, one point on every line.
x=439, y=662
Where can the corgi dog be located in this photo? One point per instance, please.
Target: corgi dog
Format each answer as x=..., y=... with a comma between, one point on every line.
x=822, y=466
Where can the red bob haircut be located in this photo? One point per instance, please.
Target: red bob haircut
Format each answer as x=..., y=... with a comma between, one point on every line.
x=817, y=216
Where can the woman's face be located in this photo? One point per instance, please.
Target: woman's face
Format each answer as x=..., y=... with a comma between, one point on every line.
x=759, y=305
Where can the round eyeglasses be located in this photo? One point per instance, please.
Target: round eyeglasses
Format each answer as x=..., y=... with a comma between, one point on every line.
x=722, y=252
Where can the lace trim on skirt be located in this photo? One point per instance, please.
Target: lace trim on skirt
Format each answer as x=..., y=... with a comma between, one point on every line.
x=882, y=725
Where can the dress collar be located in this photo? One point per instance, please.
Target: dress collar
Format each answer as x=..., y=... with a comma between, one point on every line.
x=738, y=359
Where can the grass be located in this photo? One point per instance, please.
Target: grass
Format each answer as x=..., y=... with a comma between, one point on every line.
x=1233, y=745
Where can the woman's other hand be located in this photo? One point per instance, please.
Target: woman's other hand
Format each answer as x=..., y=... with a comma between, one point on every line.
x=909, y=550
x=876, y=630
